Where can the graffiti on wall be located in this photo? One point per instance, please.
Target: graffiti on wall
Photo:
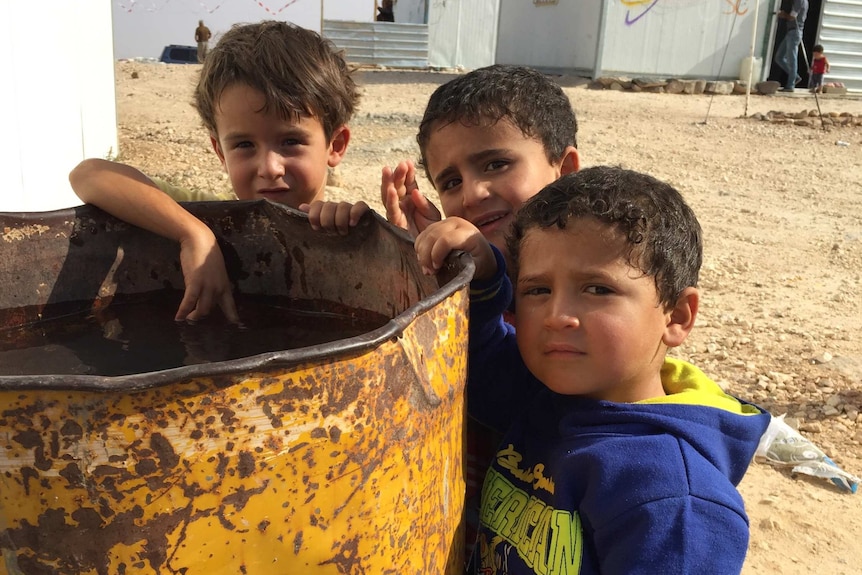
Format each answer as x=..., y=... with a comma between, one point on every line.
x=638, y=9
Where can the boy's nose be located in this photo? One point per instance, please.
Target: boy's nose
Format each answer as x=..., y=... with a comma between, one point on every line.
x=562, y=315
x=271, y=166
x=474, y=192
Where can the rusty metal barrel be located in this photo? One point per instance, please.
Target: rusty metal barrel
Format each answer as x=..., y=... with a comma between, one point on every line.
x=339, y=457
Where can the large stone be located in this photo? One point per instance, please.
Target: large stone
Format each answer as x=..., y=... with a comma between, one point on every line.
x=719, y=88
x=767, y=88
x=740, y=87
x=675, y=86
x=648, y=83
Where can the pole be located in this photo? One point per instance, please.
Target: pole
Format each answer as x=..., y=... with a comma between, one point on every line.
x=751, y=57
x=816, y=99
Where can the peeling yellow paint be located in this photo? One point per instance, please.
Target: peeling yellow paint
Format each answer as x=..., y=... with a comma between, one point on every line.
x=23, y=232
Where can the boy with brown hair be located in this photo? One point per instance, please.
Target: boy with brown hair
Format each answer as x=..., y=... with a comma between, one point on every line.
x=276, y=99
x=489, y=141
x=615, y=458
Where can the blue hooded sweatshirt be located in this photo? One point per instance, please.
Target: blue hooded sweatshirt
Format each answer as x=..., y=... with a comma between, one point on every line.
x=587, y=486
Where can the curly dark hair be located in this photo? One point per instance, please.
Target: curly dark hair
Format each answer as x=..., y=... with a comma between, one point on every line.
x=299, y=72
x=663, y=234
x=527, y=98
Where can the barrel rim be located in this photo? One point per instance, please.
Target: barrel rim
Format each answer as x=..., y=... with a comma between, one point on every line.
x=262, y=362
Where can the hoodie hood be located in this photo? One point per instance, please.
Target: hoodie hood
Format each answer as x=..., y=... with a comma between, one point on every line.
x=721, y=428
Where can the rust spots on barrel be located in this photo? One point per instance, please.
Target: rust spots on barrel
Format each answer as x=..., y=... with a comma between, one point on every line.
x=78, y=542
x=347, y=560
x=245, y=465
x=168, y=458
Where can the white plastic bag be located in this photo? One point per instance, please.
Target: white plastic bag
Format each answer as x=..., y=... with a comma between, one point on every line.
x=782, y=445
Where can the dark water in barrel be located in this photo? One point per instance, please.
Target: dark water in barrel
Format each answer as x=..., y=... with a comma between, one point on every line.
x=140, y=337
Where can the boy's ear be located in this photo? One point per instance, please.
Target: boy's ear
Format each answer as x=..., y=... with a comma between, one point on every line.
x=217, y=148
x=571, y=161
x=338, y=145
x=680, y=318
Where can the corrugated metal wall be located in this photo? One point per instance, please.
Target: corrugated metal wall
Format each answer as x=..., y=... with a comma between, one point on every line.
x=841, y=36
x=380, y=43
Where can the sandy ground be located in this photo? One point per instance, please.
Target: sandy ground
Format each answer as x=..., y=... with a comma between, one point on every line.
x=781, y=314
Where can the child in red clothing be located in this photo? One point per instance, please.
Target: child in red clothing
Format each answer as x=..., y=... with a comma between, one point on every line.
x=819, y=67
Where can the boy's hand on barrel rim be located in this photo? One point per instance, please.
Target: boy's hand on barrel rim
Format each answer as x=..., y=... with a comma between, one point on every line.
x=439, y=239
x=334, y=216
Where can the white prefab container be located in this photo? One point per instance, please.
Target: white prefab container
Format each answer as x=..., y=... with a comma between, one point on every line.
x=57, y=102
x=751, y=68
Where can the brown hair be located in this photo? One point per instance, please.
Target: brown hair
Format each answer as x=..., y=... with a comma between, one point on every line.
x=531, y=101
x=299, y=73
x=664, y=237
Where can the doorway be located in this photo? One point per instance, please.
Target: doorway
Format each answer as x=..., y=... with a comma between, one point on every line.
x=809, y=39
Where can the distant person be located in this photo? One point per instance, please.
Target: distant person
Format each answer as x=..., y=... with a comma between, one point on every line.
x=202, y=37
x=788, y=51
x=819, y=67
x=276, y=99
x=615, y=458
x=386, y=11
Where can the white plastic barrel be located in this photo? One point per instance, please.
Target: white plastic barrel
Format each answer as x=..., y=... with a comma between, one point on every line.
x=752, y=65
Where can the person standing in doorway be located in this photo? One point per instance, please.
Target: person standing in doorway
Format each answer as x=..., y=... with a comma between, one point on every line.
x=202, y=37
x=386, y=11
x=787, y=54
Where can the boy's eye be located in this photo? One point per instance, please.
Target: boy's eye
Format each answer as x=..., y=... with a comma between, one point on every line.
x=243, y=144
x=599, y=290
x=450, y=184
x=536, y=290
x=290, y=142
x=496, y=165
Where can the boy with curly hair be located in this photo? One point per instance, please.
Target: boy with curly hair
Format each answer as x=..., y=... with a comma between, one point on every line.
x=615, y=458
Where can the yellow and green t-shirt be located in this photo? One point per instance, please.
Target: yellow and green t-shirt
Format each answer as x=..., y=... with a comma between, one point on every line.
x=179, y=194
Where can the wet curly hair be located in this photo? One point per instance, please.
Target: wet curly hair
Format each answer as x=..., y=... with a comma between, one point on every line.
x=528, y=99
x=662, y=232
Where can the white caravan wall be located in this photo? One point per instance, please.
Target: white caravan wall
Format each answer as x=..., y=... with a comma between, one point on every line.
x=462, y=33
x=680, y=38
x=57, y=103
x=561, y=36
x=410, y=11
x=142, y=28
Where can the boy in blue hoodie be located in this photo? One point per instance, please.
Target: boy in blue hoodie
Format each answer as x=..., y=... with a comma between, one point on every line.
x=615, y=458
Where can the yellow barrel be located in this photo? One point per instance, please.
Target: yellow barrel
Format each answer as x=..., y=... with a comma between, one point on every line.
x=342, y=457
